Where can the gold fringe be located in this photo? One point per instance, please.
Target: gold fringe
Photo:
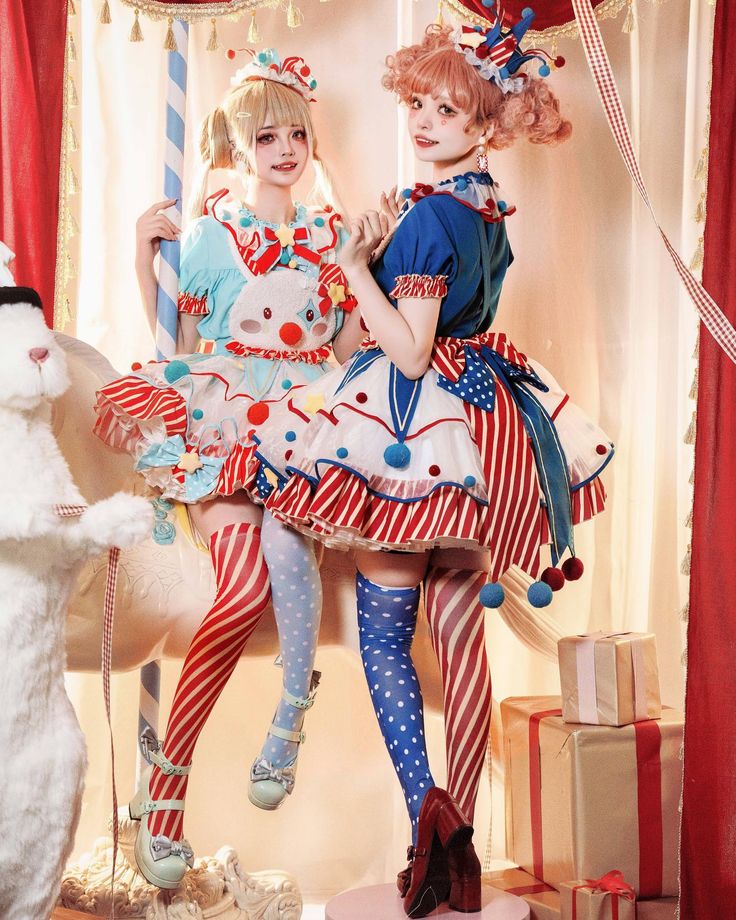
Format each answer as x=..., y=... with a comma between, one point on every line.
x=254, y=36
x=690, y=433
x=213, y=44
x=72, y=48
x=71, y=9
x=691, y=480
x=697, y=260
x=136, y=33
x=160, y=10
x=294, y=16
x=630, y=22
x=170, y=40
x=685, y=612
x=105, y=17
x=693, y=394
x=689, y=519
x=701, y=170
x=73, y=142
x=73, y=182
x=687, y=561
x=700, y=210
x=65, y=315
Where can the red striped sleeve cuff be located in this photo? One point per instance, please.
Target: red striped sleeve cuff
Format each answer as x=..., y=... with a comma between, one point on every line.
x=194, y=306
x=420, y=286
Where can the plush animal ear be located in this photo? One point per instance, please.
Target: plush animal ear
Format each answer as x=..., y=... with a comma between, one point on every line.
x=27, y=295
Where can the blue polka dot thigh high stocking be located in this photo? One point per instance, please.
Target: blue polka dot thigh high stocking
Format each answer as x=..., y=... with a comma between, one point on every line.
x=386, y=623
x=296, y=592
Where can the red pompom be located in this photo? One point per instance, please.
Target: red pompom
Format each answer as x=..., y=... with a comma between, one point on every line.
x=601, y=449
x=230, y=54
x=361, y=397
x=288, y=454
x=258, y=413
x=434, y=470
x=559, y=61
x=573, y=568
x=305, y=70
x=554, y=578
x=136, y=366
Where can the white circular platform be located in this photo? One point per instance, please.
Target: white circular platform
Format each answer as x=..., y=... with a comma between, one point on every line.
x=382, y=902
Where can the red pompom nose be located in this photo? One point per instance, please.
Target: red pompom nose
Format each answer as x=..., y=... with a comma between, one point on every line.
x=38, y=355
x=290, y=333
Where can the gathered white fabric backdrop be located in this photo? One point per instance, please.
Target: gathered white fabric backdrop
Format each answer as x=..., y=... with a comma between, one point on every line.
x=592, y=295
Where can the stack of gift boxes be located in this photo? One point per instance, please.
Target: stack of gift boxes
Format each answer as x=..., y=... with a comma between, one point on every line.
x=593, y=785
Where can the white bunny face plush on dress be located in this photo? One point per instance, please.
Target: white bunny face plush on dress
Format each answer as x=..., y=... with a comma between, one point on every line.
x=43, y=757
x=283, y=309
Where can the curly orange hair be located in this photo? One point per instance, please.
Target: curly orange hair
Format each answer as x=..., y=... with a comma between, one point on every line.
x=433, y=62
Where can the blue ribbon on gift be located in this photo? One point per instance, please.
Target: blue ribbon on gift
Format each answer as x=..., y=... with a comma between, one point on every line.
x=167, y=453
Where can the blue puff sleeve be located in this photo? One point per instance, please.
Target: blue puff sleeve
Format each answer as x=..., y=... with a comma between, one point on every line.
x=195, y=274
x=422, y=255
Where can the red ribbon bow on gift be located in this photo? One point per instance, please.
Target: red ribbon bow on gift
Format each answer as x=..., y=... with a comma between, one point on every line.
x=613, y=883
x=271, y=255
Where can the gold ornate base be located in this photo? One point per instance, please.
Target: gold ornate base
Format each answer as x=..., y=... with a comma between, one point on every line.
x=217, y=888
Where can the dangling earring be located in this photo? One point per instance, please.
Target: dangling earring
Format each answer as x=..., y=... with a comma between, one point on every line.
x=482, y=159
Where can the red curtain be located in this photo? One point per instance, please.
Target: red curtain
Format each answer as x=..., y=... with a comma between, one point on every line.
x=708, y=853
x=32, y=41
x=548, y=12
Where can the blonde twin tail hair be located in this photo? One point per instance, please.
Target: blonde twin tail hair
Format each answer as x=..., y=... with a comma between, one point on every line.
x=230, y=132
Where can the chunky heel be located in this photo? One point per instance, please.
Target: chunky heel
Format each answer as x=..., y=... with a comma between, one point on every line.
x=465, y=890
x=453, y=828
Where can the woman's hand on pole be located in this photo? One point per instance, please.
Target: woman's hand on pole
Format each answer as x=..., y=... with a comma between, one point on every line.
x=152, y=227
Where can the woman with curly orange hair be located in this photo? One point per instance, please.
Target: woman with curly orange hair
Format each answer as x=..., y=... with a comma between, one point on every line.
x=439, y=442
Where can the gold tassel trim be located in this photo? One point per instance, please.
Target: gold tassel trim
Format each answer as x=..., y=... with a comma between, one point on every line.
x=697, y=260
x=72, y=48
x=105, y=17
x=73, y=182
x=689, y=519
x=693, y=394
x=71, y=9
x=73, y=97
x=683, y=657
x=73, y=142
x=66, y=314
x=254, y=36
x=700, y=210
x=630, y=21
x=213, y=44
x=690, y=433
x=685, y=612
x=71, y=271
x=440, y=18
x=691, y=480
x=136, y=33
x=701, y=170
x=686, y=562
x=170, y=40
x=294, y=16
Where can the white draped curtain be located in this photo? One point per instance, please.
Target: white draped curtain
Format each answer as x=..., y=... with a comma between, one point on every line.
x=592, y=295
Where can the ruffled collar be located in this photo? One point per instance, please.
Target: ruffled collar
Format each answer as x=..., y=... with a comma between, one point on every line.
x=230, y=211
x=475, y=190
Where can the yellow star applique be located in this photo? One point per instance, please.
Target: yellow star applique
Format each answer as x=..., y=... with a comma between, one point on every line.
x=472, y=39
x=336, y=293
x=313, y=403
x=190, y=462
x=285, y=236
x=271, y=477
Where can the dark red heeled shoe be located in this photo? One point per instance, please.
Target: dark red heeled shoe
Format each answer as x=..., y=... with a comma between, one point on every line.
x=441, y=827
x=464, y=867
x=403, y=879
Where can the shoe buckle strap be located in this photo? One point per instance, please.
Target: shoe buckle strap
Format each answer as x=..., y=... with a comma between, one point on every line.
x=298, y=702
x=286, y=735
x=151, y=749
x=162, y=805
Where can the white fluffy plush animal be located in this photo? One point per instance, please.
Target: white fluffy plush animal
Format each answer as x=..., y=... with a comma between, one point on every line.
x=42, y=750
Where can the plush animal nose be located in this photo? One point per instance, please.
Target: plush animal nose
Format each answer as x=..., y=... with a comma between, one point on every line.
x=290, y=333
x=38, y=355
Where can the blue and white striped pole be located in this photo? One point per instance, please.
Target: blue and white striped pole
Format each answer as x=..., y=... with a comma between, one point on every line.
x=166, y=303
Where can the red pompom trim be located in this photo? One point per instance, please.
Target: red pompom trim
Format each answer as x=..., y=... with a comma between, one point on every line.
x=258, y=413
x=573, y=568
x=554, y=578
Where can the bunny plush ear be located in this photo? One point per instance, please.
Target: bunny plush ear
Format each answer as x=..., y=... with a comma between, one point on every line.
x=20, y=295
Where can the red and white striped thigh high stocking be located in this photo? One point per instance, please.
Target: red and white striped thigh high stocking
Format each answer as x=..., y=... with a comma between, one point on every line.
x=243, y=592
x=456, y=623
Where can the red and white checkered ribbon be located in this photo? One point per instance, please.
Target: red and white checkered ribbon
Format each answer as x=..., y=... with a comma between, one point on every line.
x=67, y=511
x=600, y=67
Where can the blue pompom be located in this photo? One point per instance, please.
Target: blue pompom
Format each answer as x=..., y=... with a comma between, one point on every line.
x=488, y=3
x=491, y=595
x=290, y=435
x=502, y=206
x=544, y=70
x=342, y=452
x=469, y=482
x=539, y=594
x=527, y=11
x=245, y=221
x=262, y=57
x=174, y=370
x=397, y=456
x=461, y=184
x=286, y=384
x=319, y=221
x=197, y=414
x=284, y=257
x=477, y=29
x=406, y=193
x=313, y=84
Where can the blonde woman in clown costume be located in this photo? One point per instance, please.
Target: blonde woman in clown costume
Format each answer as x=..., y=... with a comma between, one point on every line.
x=261, y=298
x=440, y=442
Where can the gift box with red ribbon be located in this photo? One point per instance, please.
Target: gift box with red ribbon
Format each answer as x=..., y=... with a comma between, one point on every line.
x=543, y=900
x=609, y=678
x=583, y=798
x=607, y=898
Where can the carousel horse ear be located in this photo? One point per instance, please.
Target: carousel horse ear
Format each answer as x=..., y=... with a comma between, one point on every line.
x=9, y=295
